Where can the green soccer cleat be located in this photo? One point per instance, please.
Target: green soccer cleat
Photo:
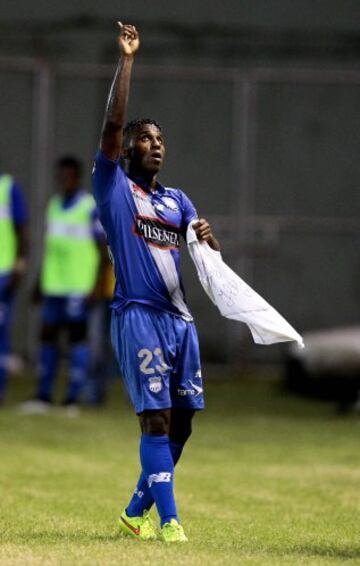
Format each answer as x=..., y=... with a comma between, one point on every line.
x=137, y=527
x=173, y=532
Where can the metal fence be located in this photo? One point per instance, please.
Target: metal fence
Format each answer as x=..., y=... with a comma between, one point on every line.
x=269, y=155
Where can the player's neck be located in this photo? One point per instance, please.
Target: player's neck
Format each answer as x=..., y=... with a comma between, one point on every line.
x=148, y=178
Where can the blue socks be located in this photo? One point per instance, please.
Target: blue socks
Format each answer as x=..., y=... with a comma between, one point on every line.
x=79, y=364
x=48, y=365
x=158, y=469
x=142, y=498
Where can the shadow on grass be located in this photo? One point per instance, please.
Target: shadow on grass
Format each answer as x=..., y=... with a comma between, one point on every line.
x=326, y=551
x=86, y=537
x=56, y=537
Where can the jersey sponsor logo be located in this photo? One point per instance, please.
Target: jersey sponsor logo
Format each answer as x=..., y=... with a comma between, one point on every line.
x=157, y=233
x=155, y=384
x=159, y=478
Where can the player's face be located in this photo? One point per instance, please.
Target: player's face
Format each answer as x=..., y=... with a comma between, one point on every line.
x=147, y=150
x=68, y=180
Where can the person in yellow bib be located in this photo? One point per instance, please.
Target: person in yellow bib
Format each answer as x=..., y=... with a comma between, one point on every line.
x=69, y=283
x=13, y=261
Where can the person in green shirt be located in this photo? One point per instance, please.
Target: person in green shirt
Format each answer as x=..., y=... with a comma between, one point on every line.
x=69, y=283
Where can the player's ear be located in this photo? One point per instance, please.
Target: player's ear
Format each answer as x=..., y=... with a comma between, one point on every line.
x=125, y=153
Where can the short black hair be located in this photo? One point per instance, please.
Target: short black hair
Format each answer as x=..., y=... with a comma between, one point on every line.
x=70, y=161
x=134, y=125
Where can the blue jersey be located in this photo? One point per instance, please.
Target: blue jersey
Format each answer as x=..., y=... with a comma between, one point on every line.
x=143, y=229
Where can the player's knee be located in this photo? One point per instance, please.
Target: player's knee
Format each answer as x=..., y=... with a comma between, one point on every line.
x=155, y=423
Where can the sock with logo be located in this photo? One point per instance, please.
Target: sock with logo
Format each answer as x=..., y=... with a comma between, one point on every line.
x=158, y=467
x=48, y=365
x=142, y=499
x=79, y=364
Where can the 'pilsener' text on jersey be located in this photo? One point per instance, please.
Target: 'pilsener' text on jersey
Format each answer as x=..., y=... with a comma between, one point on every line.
x=143, y=228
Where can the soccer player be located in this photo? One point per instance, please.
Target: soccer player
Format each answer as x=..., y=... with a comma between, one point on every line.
x=74, y=257
x=152, y=329
x=13, y=261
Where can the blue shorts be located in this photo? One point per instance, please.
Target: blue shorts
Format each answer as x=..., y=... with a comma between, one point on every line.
x=159, y=358
x=64, y=310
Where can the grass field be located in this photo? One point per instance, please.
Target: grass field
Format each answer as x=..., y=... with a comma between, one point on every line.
x=266, y=479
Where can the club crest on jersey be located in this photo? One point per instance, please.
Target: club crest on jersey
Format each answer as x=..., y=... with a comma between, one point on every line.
x=155, y=384
x=170, y=203
x=157, y=232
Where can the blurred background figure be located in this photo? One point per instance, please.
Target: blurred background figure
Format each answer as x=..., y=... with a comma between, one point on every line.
x=13, y=261
x=103, y=364
x=68, y=285
x=328, y=368
x=277, y=82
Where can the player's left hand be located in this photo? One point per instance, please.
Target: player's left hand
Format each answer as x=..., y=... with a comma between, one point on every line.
x=203, y=230
x=204, y=233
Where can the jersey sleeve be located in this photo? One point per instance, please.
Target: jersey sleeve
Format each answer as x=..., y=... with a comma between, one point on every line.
x=104, y=177
x=19, y=210
x=188, y=211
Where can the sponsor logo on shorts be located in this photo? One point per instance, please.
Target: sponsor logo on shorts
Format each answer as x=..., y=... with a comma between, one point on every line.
x=155, y=384
x=159, y=478
x=186, y=392
x=194, y=392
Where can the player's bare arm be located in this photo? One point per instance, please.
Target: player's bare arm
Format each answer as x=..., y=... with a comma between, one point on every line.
x=203, y=231
x=112, y=130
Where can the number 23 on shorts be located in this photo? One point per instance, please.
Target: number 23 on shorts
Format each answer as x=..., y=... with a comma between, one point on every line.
x=148, y=357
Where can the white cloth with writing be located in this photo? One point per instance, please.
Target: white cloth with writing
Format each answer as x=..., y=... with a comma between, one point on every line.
x=234, y=298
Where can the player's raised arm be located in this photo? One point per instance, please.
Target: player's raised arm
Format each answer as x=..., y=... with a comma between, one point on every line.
x=111, y=134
